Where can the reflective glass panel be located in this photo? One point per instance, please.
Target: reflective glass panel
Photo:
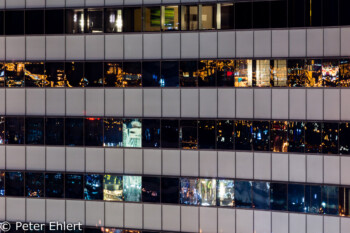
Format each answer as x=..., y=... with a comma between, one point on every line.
x=261, y=14
x=151, y=133
x=132, y=188
x=244, y=73
x=224, y=134
x=189, y=73
x=330, y=73
x=34, y=129
x=14, y=130
x=113, y=188
x=75, y=22
x=344, y=79
x=170, y=133
x=2, y=74
x=54, y=131
x=74, y=186
x=296, y=13
x=14, y=22
x=170, y=18
x=207, y=192
x=207, y=73
x=113, y=74
x=344, y=135
x=206, y=134
x=243, y=135
x=313, y=13
x=132, y=135
x=34, y=184
x=14, y=74
x=263, y=73
x=296, y=197
x=243, y=194
x=113, y=132
x=74, y=131
x=279, y=136
x=2, y=130
x=132, y=74
x=93, y=131
x=313, y=73
x=2, y=183
x=54, y=74
x=54, y=21
x=151, y=74
x=169, y=74
x=93, y=74
x=93, y=189
x=34, y=74
x=188, y=134
x=296, y=136
x=207, y=17
x=261, y=195
x=132, y=19
x=189, y=195
x=227, y=16
x=344, y=201
x=151, y=19
x=94, y=22
x=226, y=193
x=74, y=72
x=170, y=188
x=279, y=73
x=243, y=15
x=296, y=73
x=54, y=185
x=225, y=73
x=14, y=183
x=330, y=200
x=113, y=20
x=261, y=137
x=313, y=137
x=330, y=138
x=189, y=18
x=150, y=189
x=278, y=196
x=34, y=22
x=313, y=199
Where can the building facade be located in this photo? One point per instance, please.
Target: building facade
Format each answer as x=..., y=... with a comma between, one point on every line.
x=176, y=115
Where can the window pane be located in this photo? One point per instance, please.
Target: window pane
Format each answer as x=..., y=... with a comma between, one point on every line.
x=313, y=13
x=296, y=136
x=75, y=21
x=74, y=129
x=151, y=19
x=296, y=198
x=54, y=185
x=243, y=194
x=54, y=131
x=226, y=69
x=14, y=22
x=54, y=21
x=14, y=183
x=34, y=74
x=170, y=74
x=261, y=14
x=93, y=187
x=74, y=186
x=263, y=73
x=344, y=135
x=2, y=130
x=278, y=196
x=94, y=21
x=189, y=18
x=330, y=138
x=34, y=129
x=151, y=133
x=151, y=74
x=170, y=190
x=207, y=192
x=330, y=12
x=206, y=134
x=151, y=189
x=261, y=137
x=54, y=72
x=261, y=195
x=113, y=132
x=132, y=19
x=314, y=73
x=113, y=188
x=188, y=134
x=344, y=66
x=296, y=73
x=344, y=201
x=113, y=74
x=226, y=193
x=132, y=74
x=132, y=188
x=313, y=137
x=279, y=72
x=208, y=17
x=170, y=18
x=227, y=16
x=93, y=131
x=75, y=74
x=278, y=13
x=330, y=73
x=189, y=195
x=14, y=74
x=2, y=22
x=189, y=73
x=344, y=6
x=14, y=133
x=330, y=201
x=313, y=199
x=243, y=135
x=207, y=73
x=170, y=133
x=296, y=13
x=132, y=136
x=243, y=15
x=93, y=74
x=244, y=73
x=224, y=134
x=34, y=22
x=279, y=136
x=113, y=19
x=34, y=184
x=2, y=183
x=2, y=74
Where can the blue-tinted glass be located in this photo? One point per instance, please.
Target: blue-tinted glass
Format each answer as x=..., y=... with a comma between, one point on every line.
x=132, y=188
x=278, y=196
x=2, y=183
x=169, y=74
x=225, y=193
x=150, y=189
x=296, y=198
x=14, y=183
x=151, y=133
x=14, y=130
x=189, y=194
x=113, y=188
x=261, y=195
x=170, y=190
x=113, y=132
x=93, y=189
x=151, y=74
x=261, y=137
x=74, y=128
x=206, y=134
x=34, y=184
x=54, y=185
x=170, y=133
x=34, y=131
x=243, y=194
x=330, y=200
x=132, y=135
x=2, y=130
x=74, y=186
x=296, y=136
x=243, y=135
x=54, y=131
x=93, y=131
x=313, y=199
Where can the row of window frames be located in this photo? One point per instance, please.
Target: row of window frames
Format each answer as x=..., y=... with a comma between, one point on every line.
x=318, y=199
x=276, y=136
x=192, y=73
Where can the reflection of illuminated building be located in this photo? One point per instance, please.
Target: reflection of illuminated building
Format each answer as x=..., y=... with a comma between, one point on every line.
x=113, y=188
x=132, y=135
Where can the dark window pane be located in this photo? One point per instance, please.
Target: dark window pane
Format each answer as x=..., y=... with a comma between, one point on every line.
x=93, y=74
x=113, y=74
x=296, y=197
x=74, y=128
x=313, y=13
x=278, y=14
x=189, y=195
x=313, y=201
x=296, y=136
x=314, y=73
x=34, y=184
x=14, y=133
x=54, y=185
x=206, y=134
x=243, y=135
x=132, y=188
x=330, y=73
x=261, y=195
x=189, y=73
x=34, y=74
x=171, y=18
x=113, y=132
x=151, y=133
x=113, y=20
x=132, y=133
x=151, y=74
x=34, y=23
x=93, y=131
x=2, y=22
x=226, y=193
x=344, y=135
x=207, y=17
x=278, y=196
x=296, y=73
x=132, y=19
x=207, y=192
x=344, y=79
x=14, y=74
x=330, y=12
x=296, y=13
x=330, y=138
x=313, y=137
x=225, y=73
x=151, y=189
x=54, y=74
x=344, y=6
x=151, y=19
x=207, y=73
x=34, y=131
x=14, y=22
x=54, y=21
x=188, y=134
x=243, y=194
x=189, y=20
x=2, y=130
x=2, y=183
x=344, y=201
x=330, y=200
x=279, y=136
x=224, y=134
x=93, y=189
x=170, y=133
x=14, y=183
x=227, y=16
x=74, y=186
x=54, y=131
x=243, y=15
x=94, y=21
x=75, y=21
x=261, y=14
x=132, y=74
x=113, y=188
x=261, y=137
x=170, y=190
x=75, y=74
x=169, y=74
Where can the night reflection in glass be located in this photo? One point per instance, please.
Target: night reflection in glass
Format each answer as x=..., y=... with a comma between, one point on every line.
x=170, y=188
x=188, y=134
x=93, y=131
x=113, y=132
x=296, y=197
x=330, y=201
x=34, y=184
x=261, y=195
x=207, y=73
x=74, y=73
x=189, y=194
x=243, y=135
x=14, y=130
x=2, y=183
x=113, y=188
x=54, y=131
x=54, y=73
x=151, y=133
x=34, y=74
x=14, y=74
x=170, y=133
x=74, y=186
x=226, y=70
x=150, y=189
x=54, y=185
x=132, y=135
x=296, y=73
x=278, y=196
x=313, y=199
x=313, y=137
x=74, y=131
x=224, y=134
x=189, y=73
x=225, y=193
x=93, y=189
x=169, y=74
x=330, y=73
x=330, y=138
x=14, y=183
x=344, y=201
x=132, y=188
x=344, y=135
x=296, y=136
x=34, y=129
x=207, y=191
x=132, y=74
x=261, y=137
x=113, y=74
x=243, y=194
x=206, y=134
x=279, y=136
